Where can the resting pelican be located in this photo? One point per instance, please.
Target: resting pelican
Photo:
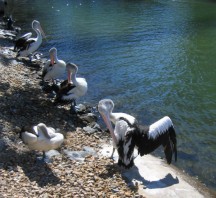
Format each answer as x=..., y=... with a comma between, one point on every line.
x=71, y=89
x=27, y=45
x=54, y=68
x=128, y=134
x=41, y=138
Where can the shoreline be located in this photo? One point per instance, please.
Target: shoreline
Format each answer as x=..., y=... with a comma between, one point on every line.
x=20, y=89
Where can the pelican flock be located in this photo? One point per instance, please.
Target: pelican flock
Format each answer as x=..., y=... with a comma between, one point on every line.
x=26, y=45
x=54, y=68
x=128, y=134
x=41, y=138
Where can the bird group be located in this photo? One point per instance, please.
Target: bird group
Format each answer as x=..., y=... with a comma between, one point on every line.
x=127, y=134
x=41, y=137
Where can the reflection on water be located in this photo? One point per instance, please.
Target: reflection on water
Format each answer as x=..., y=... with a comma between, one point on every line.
x=153, y=58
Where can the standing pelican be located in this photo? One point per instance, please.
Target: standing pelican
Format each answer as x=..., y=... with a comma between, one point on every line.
x=71, y=89
x=105, y=108
x=128, y=134
x=54, y=68
x=41, y=138
x=26, y=45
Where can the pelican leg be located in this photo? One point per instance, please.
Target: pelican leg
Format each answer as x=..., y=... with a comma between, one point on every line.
x=111, y=157
x=30, y=57
x=44, y=159
x=44, y=155
x=35, y=55
x=41, y=160
x=74, y=102
x=73, y=107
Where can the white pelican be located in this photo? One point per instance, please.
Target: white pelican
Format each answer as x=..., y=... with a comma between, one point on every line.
x=54, y=68
x=41, y=138
x=128, y=134
x=71, y=89
x=27, y=45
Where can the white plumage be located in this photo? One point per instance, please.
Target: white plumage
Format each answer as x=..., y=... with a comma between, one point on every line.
x=105, y=108
x=74, y=88
x=79, y=85
x=128, y=134
x=54, y=68
x=159, y=127
x=30, y=45
x=121, y=130
x=41, y=137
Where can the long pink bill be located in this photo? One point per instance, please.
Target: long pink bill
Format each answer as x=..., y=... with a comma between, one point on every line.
x=42, y=33
x=109, y=126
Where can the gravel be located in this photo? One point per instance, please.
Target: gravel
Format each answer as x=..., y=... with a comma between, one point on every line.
x=23, y=102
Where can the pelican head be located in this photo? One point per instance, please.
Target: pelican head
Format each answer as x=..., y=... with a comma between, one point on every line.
x=71, y=68
x=105, y=108
x=53, y=54
x=37, y=26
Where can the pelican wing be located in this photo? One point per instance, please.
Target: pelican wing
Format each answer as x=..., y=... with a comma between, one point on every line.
x=30, y=129
x=29, y=138
x=26, y=44
x=51, y=132
x=29, y=135
x=47, y=67
x=66, y=90
x=29, y=42
x=26, y=36
x=20, y=42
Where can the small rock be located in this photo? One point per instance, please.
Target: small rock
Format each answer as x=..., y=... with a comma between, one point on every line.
x=89, y=130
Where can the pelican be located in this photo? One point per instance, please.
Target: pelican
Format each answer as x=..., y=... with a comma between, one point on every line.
x=105, y=108
x=54, y=67
x=127, y=134
x=71, y=89
x=41, y=138
x=26, y=45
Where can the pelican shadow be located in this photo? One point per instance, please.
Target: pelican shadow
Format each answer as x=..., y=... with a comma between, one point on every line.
x=129, y=175
x=38, y=172
x=133, y=174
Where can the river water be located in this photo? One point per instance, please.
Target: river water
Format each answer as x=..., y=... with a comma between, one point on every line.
x=152, y=58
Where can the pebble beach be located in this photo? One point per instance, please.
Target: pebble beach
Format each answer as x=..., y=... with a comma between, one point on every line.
x=23, y=102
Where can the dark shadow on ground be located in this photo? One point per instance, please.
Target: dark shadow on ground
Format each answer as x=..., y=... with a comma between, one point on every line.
x=38, y=172
x=133, y=174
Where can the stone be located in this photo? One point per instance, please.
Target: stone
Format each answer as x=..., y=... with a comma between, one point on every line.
x=89, y=130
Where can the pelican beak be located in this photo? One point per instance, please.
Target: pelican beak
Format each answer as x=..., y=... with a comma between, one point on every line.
x=42, y=32
x=52, y=61
x=69, y=76
x=109, y=126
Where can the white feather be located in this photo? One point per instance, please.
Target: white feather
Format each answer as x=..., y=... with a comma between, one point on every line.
x=36, y=41
x=120, y=131
x=56, y=71
x=43, y=141
x=159, y=127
